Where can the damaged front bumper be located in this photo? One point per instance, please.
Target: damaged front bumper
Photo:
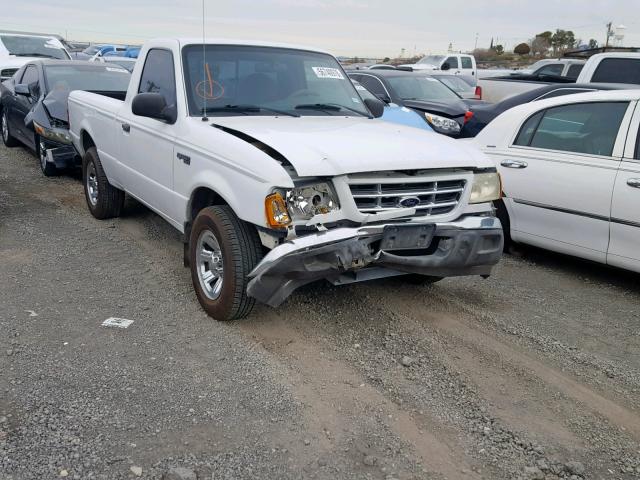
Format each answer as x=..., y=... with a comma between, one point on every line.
x=469, y=246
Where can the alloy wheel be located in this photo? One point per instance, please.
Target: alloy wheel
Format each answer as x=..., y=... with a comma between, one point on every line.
x=92, y=184
x=209, y=264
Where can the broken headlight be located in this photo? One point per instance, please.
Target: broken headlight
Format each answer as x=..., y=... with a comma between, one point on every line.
x=59, y=135
x=306, y=201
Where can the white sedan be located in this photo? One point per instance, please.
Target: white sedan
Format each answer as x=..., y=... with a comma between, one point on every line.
x=570, y=168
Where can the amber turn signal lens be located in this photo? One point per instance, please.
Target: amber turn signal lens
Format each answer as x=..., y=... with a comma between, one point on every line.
x=276, y=210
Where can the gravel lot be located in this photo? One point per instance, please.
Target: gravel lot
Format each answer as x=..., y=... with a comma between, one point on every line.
x=533, y=373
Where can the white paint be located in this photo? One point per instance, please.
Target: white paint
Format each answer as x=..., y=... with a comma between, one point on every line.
x=117, y=322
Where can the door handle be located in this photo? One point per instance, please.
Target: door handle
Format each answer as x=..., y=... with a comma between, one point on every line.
x=126, y=127
x=634, y=182
x=514, y=164
x=185, y=159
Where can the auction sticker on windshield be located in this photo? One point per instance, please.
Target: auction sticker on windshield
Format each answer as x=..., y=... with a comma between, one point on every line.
x=328, y=72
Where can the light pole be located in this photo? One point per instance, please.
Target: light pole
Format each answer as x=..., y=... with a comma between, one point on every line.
x=476, y=45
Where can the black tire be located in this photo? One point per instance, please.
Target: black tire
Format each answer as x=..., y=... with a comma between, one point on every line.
x=7, y=138
x=417, y=279
x=105, y=200
x=503, y=216
x=241, y=251
x=48, y=169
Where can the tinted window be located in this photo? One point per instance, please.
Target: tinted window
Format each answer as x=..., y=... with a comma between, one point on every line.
x=574, y=70
x=271, y=78
x=158, y=75
x=453, y=62
x=30, y=75
x=373, y=85
x=528, y=129
x=25, y=46
x=466, y=62
x=413, y=87
x=563, y=91
x=589, y=128
x=618, y=70
x=364, y=93
x=554, y=69
x=97, y=78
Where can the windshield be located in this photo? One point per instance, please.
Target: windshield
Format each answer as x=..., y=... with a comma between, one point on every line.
x=457, y=84
x=294, y=81
x=97, y=78
x=26, y=46
x=432, y=60
x=420, y=88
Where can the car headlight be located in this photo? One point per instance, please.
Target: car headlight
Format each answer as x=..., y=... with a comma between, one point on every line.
x=306, y=201
x=486, y=187
x=442, y=124
x=59, y=135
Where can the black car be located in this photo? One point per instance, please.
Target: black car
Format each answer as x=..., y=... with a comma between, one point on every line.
x=440, y=106
x=480, y=115
x=33, y=105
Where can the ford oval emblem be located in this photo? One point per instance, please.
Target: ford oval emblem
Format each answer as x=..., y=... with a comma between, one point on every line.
x=409, y=202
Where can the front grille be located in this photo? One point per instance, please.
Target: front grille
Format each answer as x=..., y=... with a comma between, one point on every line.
x=436, y=197
x=7, y=73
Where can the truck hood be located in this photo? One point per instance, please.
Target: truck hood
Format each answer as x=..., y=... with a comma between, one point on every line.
x=329, y=146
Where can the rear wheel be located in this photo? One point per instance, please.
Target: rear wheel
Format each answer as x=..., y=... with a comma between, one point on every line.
x=48, y=168
x=222, y=252
x=103, y=199
x=7, y=139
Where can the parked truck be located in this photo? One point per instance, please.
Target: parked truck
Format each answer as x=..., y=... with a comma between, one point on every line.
x=277, y=173
x=612, y=67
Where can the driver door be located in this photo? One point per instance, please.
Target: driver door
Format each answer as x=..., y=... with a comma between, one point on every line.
x=454, y=65
x=146, y=144
x=22, y=106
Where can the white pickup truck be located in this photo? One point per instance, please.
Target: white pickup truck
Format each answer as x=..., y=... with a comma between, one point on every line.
x=278, y=174
x=610, y=67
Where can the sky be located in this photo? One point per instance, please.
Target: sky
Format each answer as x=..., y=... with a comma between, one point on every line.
x=366, y=28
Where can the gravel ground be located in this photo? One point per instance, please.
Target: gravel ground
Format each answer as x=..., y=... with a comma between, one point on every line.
x=531, y=374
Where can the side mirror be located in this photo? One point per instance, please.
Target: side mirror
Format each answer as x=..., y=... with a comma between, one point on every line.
x=376, y=107
x=153, y=105
x=445, y=66
x=383, y=97
x=22, y=89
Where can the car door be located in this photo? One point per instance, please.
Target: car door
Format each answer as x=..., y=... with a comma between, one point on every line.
x=466, y=66
x=454, y=64
x=624, y=245
x=22, y=105
x=559, y=175
x=146, y=144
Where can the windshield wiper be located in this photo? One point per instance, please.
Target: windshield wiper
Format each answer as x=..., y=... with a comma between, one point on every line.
x=43, y=55
x=246, y=109
x=329, y=107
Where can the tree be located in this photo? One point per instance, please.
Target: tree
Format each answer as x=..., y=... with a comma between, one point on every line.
x=562, y=40
x=541, y=43
x=593, y=43
x=386, y=60
x=499, y=49
x=522, y=49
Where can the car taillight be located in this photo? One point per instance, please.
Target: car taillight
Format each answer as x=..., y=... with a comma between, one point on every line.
x=468, y=116
x=478, y=93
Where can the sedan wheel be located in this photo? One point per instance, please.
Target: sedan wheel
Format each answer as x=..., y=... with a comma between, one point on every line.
x=7, y=139
x=48, y=169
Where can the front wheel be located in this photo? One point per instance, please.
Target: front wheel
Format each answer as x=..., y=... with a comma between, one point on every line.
x=103, y=199
x=7, y=138
x=48, y=169
x=222, y=252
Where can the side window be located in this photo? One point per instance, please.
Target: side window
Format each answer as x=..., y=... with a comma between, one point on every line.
x=373, y=85
x=158, y=75
x=452, y=61
x=617, y=70
x=553, y=69
x=466, y=62
x=528, y=129
x=30, y=75
x=590, y=128
x=574, y=70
